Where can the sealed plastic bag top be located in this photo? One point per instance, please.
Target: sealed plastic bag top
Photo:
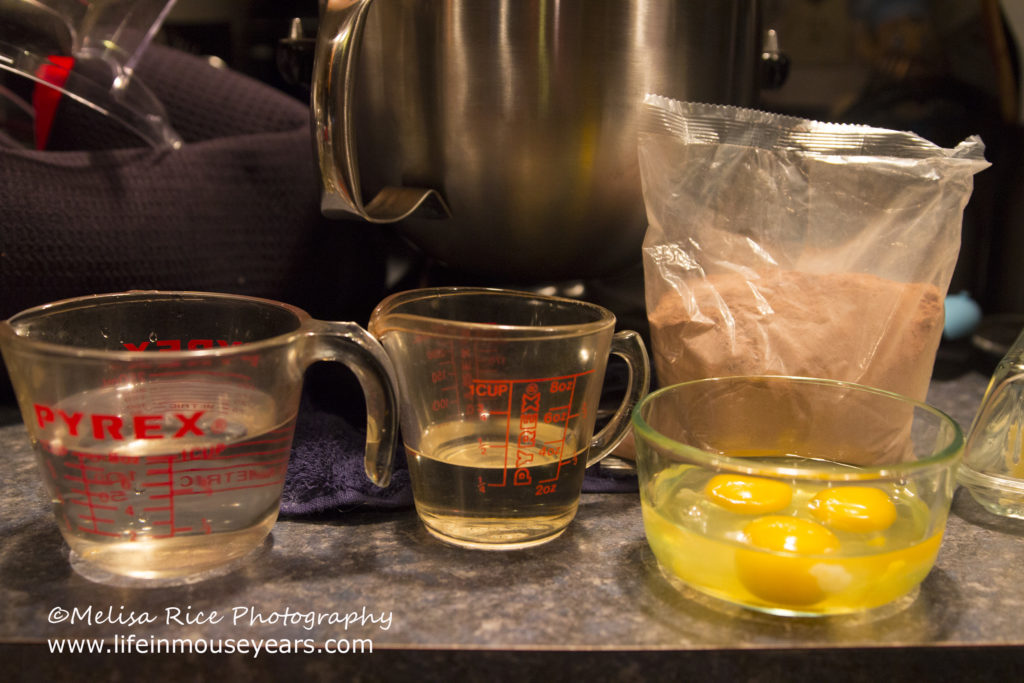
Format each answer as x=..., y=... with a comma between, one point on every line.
x=778, y=245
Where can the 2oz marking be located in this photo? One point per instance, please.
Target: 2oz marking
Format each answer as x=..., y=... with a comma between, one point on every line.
x=543, y=489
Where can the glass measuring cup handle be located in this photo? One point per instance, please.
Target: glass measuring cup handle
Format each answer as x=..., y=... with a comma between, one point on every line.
x=350, y=344
x=629, y=346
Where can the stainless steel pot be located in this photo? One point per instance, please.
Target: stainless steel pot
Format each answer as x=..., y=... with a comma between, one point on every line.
x=500, y=135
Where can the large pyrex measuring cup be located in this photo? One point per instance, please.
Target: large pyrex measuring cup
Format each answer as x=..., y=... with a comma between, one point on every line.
x=499, y=393
x=162, y=421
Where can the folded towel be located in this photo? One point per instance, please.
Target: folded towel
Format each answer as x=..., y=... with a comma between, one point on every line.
x=326, y=470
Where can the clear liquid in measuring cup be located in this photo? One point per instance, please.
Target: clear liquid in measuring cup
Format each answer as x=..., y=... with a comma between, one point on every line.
x=164, y=479
x=471, y=490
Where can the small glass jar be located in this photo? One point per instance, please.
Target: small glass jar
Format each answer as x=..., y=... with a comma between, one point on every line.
x=993, y=465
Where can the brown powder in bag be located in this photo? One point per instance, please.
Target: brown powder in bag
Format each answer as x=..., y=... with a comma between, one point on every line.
x=847, y=326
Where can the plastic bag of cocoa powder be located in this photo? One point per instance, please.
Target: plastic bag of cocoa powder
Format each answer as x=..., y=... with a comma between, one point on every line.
x=778, y=245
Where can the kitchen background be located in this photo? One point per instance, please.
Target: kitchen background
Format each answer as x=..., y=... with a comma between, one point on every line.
x=944, y=69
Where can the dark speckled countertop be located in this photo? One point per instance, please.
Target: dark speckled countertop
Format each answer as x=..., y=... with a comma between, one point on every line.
x=590, y=603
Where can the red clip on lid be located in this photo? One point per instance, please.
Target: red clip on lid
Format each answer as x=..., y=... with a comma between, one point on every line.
x=46, y=98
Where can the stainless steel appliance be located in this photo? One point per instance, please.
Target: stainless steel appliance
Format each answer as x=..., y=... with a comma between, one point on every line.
x=500, y=135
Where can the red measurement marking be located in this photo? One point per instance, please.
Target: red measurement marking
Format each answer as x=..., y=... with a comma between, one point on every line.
x=94, y=505
x=170, y=494
x=88, y=497
x=104, y=520
x=82, y=466
x=234, y=467
x=212, y=373
x=91, y=484
x=193, y=491
x=205, y=492
x=540, y=381
x=455, y=376
x=173, y=530
x=98, y=482
x=276, y=482
x=240, y=454
x=565, y=429
x=543, y=382
x=508, y=433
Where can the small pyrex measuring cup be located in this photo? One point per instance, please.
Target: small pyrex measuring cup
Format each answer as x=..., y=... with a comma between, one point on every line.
x=993, y=466
x=162, y=421
x=499, y=392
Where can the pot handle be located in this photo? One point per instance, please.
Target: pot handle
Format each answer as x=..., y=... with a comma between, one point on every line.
x=337, y=44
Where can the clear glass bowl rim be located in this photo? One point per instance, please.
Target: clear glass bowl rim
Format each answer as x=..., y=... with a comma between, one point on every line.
x=947, y=457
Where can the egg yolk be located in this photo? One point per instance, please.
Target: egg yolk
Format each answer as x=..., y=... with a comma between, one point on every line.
x=791, y=535
x=787, y=579
x=859, y=509
x=748, y=495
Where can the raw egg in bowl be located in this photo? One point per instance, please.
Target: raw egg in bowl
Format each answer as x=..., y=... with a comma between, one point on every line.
x=794, y=496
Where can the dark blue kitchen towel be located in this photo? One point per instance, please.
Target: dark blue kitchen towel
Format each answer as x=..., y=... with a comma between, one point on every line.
x=236, y=209
x=326, y=469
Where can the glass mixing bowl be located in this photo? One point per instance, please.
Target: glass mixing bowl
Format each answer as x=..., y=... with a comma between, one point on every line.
x=794, y=496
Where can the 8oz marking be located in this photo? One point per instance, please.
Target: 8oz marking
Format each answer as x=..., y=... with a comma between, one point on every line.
x=557, y=386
